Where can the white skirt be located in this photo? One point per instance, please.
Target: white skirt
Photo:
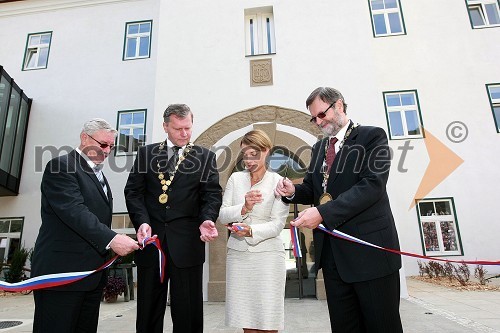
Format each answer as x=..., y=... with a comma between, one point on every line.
x=255, y=289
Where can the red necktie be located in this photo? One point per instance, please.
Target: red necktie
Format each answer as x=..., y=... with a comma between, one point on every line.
x=330, y=153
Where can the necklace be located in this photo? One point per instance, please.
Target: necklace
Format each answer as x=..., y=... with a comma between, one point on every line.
x=165, y=183
x=255, y=181
x=257, y=178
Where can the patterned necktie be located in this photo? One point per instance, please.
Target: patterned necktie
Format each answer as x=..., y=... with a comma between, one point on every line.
x=330, y=153
x=100, y=177
x=172, y=162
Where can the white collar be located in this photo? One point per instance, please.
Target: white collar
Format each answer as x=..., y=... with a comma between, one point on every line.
x=170, y=145
x=341, y=134
x=91, y=164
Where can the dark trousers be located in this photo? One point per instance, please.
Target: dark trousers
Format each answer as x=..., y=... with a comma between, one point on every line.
x=368, y=306
x=186, y=298
x=66, y=311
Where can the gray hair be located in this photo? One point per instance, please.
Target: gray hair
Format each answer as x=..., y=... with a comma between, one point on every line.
x=97, y=124
x=327, y=95
x=179, y=110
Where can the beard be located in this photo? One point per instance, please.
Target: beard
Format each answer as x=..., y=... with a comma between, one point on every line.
x=334, y=126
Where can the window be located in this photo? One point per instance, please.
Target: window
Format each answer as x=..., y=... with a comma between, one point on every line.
x=387, y=18
x=403, y=114
x=494, y=94
x=259, y=31
x=131, y=129
x=439, y=227
x=483, y=13
x=137, y=40
x=37, y=51
x=14, y=114
x=10, y=235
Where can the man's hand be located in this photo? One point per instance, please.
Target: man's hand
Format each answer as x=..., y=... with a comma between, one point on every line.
x=208, y=231
x=309, y=218
x=123, y=245
x=284, y=188
x=143, y=232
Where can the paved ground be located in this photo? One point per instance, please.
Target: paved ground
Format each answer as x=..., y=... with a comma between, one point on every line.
x=429, y=309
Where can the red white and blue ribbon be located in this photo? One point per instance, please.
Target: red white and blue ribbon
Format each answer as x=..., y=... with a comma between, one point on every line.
x=342, y=235
x=294, y=233
x=61, y=279
x=161, y=255
x=51, y=280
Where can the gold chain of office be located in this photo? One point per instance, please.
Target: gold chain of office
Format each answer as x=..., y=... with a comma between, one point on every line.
x=165, y=183
x=325, y=197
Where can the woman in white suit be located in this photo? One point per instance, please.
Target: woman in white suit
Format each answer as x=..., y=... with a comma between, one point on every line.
x=255, y=266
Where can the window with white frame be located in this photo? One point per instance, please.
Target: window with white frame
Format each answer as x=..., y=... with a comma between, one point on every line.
x=10, y=236
x=387, y=18
x=403, y=114
x=494, y=95
x=259, y=31
x=137, y=40
x=36, y=54
x=439, y=228
x=484, y=13
x=131, y=129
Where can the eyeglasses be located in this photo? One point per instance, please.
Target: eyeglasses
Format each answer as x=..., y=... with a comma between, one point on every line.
x=102, y=145
x=322, y=115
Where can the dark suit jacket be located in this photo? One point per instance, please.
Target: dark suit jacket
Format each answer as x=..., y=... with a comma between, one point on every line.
x=360, y=206
x=193, y=197
x=76, y=220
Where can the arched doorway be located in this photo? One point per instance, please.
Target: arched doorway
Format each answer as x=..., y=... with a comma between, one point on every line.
x=288, y=130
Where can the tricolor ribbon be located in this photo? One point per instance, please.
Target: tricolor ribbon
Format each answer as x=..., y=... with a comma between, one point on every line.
x=161, y=255
x=294, y=233
x=61, y=279
x=340, y=234
x=51, y=280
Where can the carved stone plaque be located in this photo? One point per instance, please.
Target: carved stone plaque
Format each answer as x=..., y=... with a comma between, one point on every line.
x=261, y=72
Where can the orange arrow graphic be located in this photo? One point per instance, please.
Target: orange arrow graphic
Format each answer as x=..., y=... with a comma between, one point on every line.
x=443, y=161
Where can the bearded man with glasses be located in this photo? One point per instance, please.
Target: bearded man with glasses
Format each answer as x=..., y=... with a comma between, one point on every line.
x=346, y=183
x=76, y=235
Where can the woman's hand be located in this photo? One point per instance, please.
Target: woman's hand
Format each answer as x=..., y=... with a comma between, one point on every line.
x=252, y=197
x=240, y=229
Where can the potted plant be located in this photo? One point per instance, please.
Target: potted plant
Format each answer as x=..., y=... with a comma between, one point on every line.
x=16, y=267
x=115, y=286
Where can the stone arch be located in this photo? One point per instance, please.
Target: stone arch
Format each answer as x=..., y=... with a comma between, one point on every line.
x=265, y=117
x=263, y=113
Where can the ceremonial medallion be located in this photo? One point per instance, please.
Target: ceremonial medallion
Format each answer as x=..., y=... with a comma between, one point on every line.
x=163, y=198
x=324, y=198
x=165, y=182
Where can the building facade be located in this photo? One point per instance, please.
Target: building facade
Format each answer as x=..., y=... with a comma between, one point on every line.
x=425, y=71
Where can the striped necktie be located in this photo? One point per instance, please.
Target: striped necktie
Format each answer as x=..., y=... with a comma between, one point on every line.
x=172, y=162
x=100, y=177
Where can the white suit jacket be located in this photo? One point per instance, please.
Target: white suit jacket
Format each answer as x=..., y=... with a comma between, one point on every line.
x=267, y=218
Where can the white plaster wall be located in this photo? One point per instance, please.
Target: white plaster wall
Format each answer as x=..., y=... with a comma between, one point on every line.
x=85, y=78
x=330, y=43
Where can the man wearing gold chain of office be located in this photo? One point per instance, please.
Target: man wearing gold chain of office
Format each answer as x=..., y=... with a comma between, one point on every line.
x=173, y=193
x=346, y=182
